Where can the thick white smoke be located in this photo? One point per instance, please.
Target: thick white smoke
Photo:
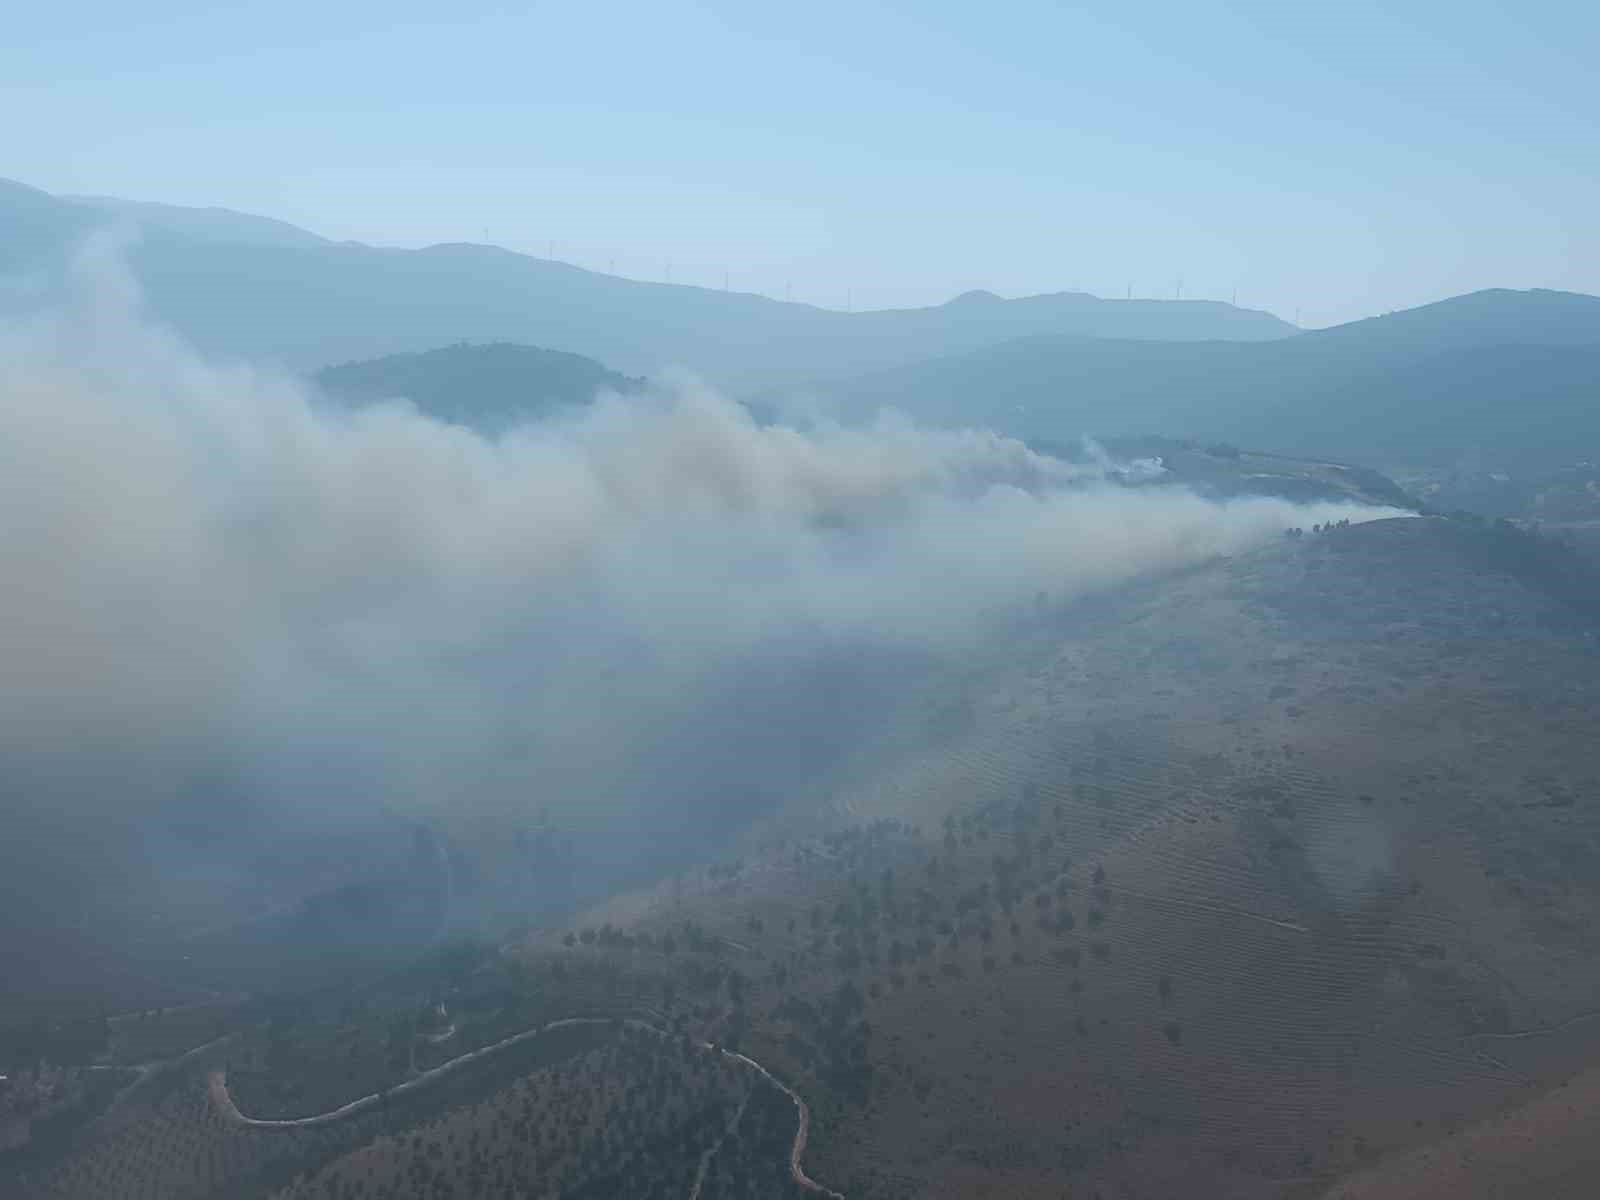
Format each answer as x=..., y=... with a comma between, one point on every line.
x=203, y=564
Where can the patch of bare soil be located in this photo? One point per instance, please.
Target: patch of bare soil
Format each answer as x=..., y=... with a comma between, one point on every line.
x=1545, y=1149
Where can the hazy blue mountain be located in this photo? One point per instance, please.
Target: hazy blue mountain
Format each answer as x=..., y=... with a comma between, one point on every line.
x=203, y=224
x=1512, y=375
x=1500, y=316
x=488, y=387
x=309, y=303
x=34, y=226
x=1500, y=372
x=307, y=306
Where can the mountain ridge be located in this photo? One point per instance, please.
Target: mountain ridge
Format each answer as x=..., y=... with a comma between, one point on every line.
x=312, y=303
x=207, y=222
x=1513, y=379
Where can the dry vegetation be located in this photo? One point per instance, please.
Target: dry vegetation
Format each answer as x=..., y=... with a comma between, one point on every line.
x=1248, y=923
x=1543, y=1148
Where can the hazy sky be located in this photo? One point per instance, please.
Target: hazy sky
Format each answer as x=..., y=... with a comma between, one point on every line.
x=1340, y=159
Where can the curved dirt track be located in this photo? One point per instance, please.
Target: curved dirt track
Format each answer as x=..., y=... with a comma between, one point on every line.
x=710, y=1152
x=217, y=1083
x=148, y=1073
x=802, y=1130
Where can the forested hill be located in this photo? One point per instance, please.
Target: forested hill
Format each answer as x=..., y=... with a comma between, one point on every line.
x=489, y=387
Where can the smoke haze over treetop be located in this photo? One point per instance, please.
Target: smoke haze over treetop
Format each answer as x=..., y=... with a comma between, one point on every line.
x=212, y=569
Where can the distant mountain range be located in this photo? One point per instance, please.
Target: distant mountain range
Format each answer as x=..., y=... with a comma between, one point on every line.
x=250, y=287
x=1514, y=376
x=1499, y=376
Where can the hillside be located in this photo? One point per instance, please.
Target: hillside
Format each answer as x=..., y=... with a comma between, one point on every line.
x=233, y=290
x=1248, y=880
x=1508, y=375
x=1222, y=471
x=488, y=388
x=1236, y=883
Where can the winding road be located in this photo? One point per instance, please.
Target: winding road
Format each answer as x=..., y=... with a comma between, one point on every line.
x=217, y=1083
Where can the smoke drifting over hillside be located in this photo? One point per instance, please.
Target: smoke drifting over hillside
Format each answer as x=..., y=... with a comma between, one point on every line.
x=210, y=576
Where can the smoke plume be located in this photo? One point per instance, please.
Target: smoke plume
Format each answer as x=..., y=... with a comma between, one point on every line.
x=226, y=596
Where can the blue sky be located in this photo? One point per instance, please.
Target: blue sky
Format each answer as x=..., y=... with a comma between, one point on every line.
x=1336, y=159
